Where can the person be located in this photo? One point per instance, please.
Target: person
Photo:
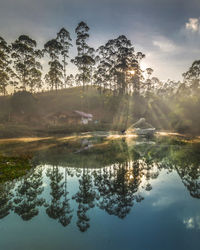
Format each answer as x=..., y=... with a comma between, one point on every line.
x=123, y=131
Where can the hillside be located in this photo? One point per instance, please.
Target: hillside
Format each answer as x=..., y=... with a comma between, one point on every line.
x=54, y=112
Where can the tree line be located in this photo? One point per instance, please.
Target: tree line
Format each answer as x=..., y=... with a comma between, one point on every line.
x=114, y=66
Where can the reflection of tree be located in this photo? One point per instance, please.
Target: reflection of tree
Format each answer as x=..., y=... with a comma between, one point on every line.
x=148, y=167
x=114, y=188
x=85, y=198
x=117, y=186
x=54, y=209
x=66, y=212
x=5, y=198
x=185, y=160
x=59, y=207
x=190, y=176
x=26, y=201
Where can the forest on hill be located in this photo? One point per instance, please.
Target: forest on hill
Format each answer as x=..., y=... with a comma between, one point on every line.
x=109, y=84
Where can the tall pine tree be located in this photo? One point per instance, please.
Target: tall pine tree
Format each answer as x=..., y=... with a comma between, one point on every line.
x=85, y=58
x=26, y=62
x=63, y=37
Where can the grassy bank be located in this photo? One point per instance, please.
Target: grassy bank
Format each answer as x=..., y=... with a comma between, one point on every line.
x=13, y=167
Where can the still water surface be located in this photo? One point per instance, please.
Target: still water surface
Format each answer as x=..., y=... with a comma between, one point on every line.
x=105, y=194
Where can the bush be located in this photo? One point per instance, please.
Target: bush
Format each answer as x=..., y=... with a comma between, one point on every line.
x=23, y=102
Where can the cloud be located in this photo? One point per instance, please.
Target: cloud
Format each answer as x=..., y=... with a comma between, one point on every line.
x=153, y=26
x=164, y=44
x=193, y=25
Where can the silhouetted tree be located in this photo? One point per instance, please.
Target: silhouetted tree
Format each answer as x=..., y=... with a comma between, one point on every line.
x=192, y=76
x=70, y=81
x=5, y=70
x=55, y=74
x=63, y=37
x=118, y=65
x=103, y=77
x=85, y=58
x=26, y=62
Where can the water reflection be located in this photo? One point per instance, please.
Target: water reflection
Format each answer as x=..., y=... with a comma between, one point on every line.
x=85, y=198
x=26, y=200
x=5, y=198
x=113, y=176
x=59, y=207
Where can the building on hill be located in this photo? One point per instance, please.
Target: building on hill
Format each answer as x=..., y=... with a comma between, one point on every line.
x=85, y=117
x=73, y=117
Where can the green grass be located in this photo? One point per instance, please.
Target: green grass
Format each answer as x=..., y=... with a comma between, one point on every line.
x=13, y=167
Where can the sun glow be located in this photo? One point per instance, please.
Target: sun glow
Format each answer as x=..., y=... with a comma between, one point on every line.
x=132, y=72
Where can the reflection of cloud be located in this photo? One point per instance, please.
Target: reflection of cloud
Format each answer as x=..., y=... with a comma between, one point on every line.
x=189, y=222
x=193, y=24
x=163, y=202
x=192, y=222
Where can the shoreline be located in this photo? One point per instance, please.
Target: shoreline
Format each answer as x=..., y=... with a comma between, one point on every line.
x=79, y=135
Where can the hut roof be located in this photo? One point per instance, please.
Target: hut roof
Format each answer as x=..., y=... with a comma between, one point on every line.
x=83, y=114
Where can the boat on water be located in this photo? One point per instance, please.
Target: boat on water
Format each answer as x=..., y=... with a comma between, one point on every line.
x=141, y=128
x=145, y=132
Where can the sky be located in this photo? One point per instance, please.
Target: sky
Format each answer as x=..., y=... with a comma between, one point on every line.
x=166, y=31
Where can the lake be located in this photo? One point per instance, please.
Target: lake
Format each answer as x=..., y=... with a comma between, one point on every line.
x=102, y=192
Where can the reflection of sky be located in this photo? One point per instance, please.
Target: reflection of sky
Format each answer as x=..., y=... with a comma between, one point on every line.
x=166, y=219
